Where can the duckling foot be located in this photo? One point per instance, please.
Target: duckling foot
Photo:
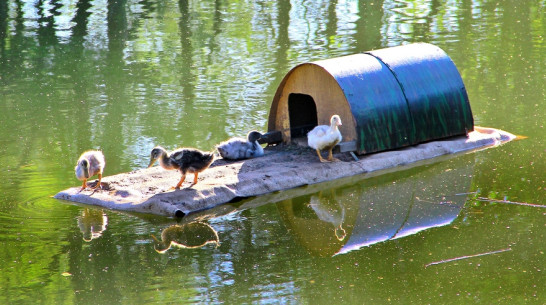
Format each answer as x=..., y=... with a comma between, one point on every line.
x=331, y=157
x=98, y=184
x=180, y=182
x=320, y=157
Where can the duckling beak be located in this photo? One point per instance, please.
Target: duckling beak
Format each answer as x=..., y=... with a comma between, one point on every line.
x=152, y=161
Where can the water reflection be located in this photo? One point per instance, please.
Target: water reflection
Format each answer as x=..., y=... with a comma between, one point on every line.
x=92, y=223
x=339, y=220
x=122, y=75
x=190, y=235
x=329, y=210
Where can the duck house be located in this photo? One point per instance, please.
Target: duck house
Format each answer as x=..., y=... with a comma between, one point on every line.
x=387, y=99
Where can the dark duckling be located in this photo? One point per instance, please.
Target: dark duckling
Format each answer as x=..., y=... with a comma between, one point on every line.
x=186, y=160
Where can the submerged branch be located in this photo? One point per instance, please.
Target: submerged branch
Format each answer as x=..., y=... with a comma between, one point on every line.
x=467, y=256
x=511, y=202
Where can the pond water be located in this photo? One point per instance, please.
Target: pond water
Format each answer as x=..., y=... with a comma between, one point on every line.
x=126, y=75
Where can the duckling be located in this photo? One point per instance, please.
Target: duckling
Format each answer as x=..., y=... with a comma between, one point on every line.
x=239, y=148
x=89, y=164
x=325, y=137
x=186, y=160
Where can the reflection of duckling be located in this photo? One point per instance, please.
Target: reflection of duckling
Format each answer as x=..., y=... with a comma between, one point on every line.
x=186, y=160
x=239, y=148
x=92, y=223
x=325, y=137
x=89, y=164
x=328, y=212
x=191, y=235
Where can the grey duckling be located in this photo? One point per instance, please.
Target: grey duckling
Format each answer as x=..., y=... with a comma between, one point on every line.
x=89, y=164
x=239, y=148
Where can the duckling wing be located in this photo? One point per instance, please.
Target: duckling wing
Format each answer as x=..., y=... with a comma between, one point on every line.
x=318, y=131
x=244, y=150
x=96, y=162
x=233, y=149
x=316, y=136
x=191, y=159
x=256, y=150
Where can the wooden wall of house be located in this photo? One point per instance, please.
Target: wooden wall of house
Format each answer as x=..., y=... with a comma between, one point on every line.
x=316, y=82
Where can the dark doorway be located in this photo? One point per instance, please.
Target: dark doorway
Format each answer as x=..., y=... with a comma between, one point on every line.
x=303, y=114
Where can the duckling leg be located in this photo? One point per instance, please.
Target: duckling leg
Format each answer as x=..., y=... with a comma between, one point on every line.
x=84, y=185
x=331, y=157
x=195, y=178
x=320, y=157
x=98, y=183
x=181, y=181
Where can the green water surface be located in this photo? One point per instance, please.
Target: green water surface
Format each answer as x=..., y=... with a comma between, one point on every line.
x=126, y=75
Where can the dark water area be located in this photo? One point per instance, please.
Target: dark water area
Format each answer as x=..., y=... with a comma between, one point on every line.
x=123, y=76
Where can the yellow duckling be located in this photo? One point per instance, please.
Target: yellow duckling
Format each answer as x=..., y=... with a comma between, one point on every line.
x=89, y=164
x=324, y=137
x=186, y=160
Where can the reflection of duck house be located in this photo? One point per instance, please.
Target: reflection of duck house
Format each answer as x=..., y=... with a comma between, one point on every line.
x=381, y=210
x=387, y=99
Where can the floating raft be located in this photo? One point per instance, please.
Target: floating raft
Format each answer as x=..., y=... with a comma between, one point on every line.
x=283, y=167
x=398, y=106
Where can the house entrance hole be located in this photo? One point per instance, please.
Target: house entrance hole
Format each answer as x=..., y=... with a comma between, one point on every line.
x=302, y=113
